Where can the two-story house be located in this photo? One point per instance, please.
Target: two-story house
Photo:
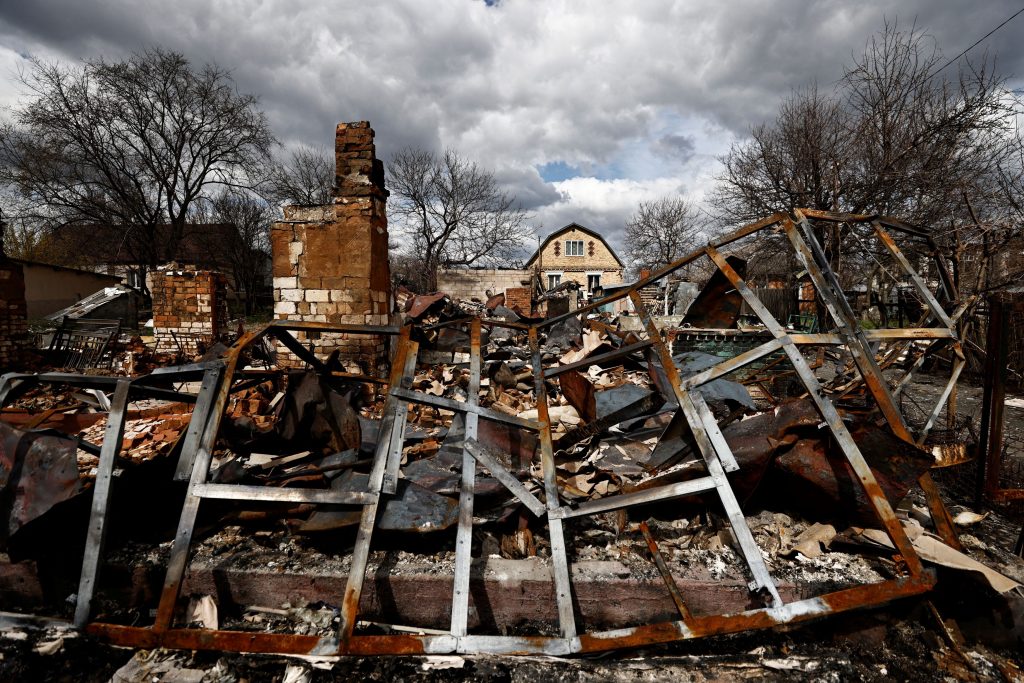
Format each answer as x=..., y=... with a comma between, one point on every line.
x=576, y=253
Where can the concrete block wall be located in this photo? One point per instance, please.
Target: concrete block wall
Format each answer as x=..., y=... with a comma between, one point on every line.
x=330, y=263
x=13, y=316
x=189, y=303
x=468, y=284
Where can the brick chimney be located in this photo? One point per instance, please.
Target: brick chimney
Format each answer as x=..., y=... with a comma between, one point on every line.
x=331, y=262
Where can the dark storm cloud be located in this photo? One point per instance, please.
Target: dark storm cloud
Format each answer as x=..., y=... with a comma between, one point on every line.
x=517, y=85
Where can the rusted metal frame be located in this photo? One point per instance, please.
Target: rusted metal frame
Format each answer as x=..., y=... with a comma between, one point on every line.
x=828, y=411
x=837, y=217
x=710, y=424
x=622, y=500
x=919, y=284
x=14, y=384
x=901, y=226
x=272, y=494
x=556, y=537
x=945, y=277
x=869, y=595
x=459, y=406
x=498, y=471
x=489, y=322
x=296, y=347
x=911, y=333
x=730, y=365
x=446, y=323
x=200, y=416
x=97, y=530
x=361, y=550
x=990, y=448
x=810, y=253
x=816, y=339
x=762, y=579
x=18, y=383
x=596, y=360
x=396, y=439
x=464, y=533
x=178, y=559
x=517, y=645
x=958, y=366
x=873, y=378
x=666, y=574
x=738, y=234
x=712, y=459
x=812, y=257
x=178, y=373
x=919, y=361
x=697, y=627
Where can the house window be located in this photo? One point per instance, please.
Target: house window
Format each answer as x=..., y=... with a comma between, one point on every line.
x=593, y=281
x=574, y=247
x=554, y=279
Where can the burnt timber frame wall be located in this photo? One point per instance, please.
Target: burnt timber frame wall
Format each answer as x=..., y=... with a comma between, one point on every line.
x=217, y=384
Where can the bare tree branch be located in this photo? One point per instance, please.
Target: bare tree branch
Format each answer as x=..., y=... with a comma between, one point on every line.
x=453, y=213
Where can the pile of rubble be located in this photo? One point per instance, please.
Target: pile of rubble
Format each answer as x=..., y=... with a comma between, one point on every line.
x=517, y=478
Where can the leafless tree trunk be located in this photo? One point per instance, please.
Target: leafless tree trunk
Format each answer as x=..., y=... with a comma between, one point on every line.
x=247, y=250
x=133, y=143
x=661, y=231
x=453, y=213
x=305, y=177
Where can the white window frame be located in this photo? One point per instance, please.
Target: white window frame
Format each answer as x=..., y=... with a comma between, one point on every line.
x=569, y=252
x=554, y=273
x=597, y=274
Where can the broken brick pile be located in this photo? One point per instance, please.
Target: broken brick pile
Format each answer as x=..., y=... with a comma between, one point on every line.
x=188, y=304
x=331, y=262
x=13, y=315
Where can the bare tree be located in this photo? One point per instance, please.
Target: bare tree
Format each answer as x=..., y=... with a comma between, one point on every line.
x=132, y=143
x=453, y=212
x=305, y=177
x=246, y=251
x=661, y=231
x=801, y=160
x=893, y=137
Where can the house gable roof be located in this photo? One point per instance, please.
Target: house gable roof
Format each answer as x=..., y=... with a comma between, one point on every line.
x=573, y=226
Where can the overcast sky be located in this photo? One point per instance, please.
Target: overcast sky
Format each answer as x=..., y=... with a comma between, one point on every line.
x=582, y=108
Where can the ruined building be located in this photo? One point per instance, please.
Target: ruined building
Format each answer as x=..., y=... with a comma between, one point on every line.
x=331, y=262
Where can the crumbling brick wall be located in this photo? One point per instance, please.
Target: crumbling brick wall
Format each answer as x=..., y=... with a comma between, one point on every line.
x=474, y=283
x=519, y=296
x=331, y=262
x=188, y=304
x=13, y=316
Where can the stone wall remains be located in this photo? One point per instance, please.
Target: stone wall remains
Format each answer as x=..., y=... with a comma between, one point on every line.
x=330, y=263
x=188, y=304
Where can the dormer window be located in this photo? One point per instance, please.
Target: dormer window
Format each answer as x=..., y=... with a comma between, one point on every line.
x=574, y=247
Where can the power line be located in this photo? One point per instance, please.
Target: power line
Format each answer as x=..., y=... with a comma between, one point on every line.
x=979, y=41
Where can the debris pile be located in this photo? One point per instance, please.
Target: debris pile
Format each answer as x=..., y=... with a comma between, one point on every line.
x=754, y=487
